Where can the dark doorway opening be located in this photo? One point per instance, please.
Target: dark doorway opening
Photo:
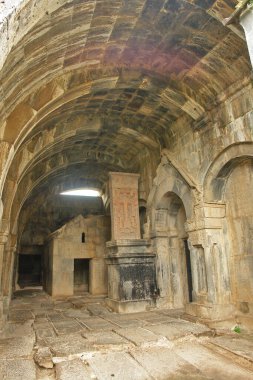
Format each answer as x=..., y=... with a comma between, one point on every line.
x=29, y=270
x=81, y=275
x=189, y=269
x=143, y=219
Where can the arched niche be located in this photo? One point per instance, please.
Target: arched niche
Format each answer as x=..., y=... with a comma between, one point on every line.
x=238, y=196
x=174, y=273
x=170, y=206
x=168, y=179
x=230, y=181
x=221, y=168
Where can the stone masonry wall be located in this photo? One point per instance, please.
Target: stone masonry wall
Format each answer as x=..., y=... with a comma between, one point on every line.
x=230, y=122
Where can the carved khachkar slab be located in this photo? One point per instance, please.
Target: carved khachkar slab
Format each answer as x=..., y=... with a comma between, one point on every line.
x=124, y=206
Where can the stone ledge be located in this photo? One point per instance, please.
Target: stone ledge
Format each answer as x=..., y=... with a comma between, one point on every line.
x=133, y=306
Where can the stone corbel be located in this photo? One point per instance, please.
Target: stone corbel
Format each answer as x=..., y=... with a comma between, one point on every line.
x=207, y=216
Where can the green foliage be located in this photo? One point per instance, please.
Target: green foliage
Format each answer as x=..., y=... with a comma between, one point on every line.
x=237, y=329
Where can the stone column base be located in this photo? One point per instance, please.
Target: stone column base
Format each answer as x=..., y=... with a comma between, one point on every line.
x=4, y=307
x=131, y=275
x=220, y=316
x=135, y=306
x=211, y=312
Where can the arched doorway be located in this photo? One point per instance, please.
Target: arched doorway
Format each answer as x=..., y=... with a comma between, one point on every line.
x=174, y=273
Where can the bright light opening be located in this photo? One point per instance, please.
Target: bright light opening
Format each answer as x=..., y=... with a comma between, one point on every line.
x=82, y=193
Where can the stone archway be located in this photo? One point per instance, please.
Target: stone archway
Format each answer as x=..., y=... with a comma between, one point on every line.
x=229, y=181
x=170, y=206
x=174, y=278
x=218, y=172
x=238, y=196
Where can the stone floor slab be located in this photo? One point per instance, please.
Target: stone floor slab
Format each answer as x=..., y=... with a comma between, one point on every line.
x=20, y=315
x=45, y=333
x=107, y=339
x=16, y=347
x=215, y=366
x=138, y=336
x=76, y=313
x=163, y=363
x=158, y=319
x=117, y=366
x=98, y=309
x=242, y=346
x=96, y=323
x=72, y=370
x=72, y=344
x=175, y=330
x=20, y=369
x=66, y=326
x=14, y=330
x=124, y=323
x=120, y=346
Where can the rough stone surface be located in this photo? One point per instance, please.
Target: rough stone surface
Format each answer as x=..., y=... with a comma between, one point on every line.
x=156, y=90
x=72, y=369
x=173, y=348
x=113, y=365
x=43, y=357
x=80, y=239
x=20, y=369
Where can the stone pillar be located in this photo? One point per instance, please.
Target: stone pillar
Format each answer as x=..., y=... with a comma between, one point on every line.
x=3, y=240
x=97, y=276
x=210, y=263
x=7, y=274
x=246, y=20
x=131, y=266
x=161, y=246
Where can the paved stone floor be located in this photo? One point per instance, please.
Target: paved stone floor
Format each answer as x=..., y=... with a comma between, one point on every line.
x=78, y=338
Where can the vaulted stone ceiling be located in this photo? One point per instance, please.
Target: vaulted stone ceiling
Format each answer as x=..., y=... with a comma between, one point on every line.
x=94, y=86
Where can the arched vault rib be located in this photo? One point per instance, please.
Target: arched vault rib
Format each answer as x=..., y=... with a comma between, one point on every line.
x=174, y=52
x=96, y=158
x=148, y=91
x=172, y=44
x=18, y=17
x=89, y=172
x=138, y=103
x=74, y=130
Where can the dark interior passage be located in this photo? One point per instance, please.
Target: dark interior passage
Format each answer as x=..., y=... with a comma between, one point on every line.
x=189, y=270
x=29, y=270
x=81, y=275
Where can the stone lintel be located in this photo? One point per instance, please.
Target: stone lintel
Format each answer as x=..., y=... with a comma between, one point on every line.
x=128, y=243
x=163, y=234
x=129, y=248
x=130, y=259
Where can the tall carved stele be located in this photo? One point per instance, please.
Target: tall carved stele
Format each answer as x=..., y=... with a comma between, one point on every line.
x=124, y=206
x=131, y=267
